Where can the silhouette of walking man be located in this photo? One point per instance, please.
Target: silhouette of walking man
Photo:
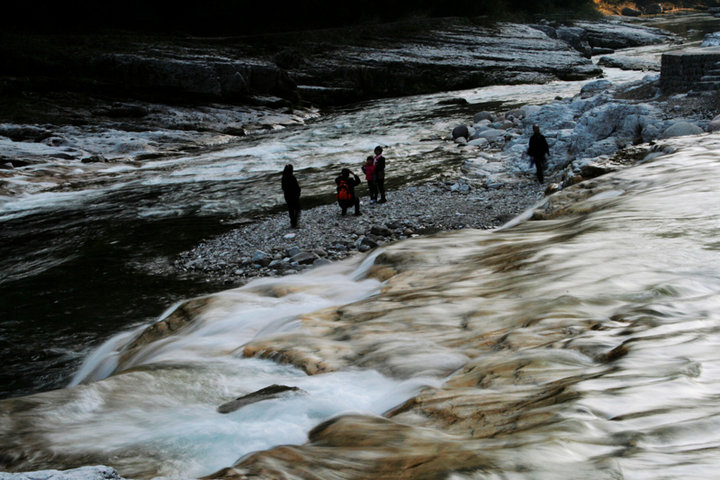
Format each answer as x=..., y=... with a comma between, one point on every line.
x=291, y=190
x=380, y=173
x=537, y=149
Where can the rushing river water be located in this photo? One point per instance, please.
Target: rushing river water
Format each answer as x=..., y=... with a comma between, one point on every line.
x=83, y=246
x=581, y=345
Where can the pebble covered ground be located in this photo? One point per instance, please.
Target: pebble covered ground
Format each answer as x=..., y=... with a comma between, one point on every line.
x=271, y=247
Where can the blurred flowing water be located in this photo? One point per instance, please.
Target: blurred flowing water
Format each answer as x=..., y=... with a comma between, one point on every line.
x=580, y=340
x=85, y=247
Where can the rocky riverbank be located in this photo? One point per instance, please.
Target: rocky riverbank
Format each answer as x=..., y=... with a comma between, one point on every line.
x=603, y=128
x=270, y=247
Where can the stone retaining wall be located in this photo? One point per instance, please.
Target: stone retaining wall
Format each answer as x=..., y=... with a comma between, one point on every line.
x=690, y=70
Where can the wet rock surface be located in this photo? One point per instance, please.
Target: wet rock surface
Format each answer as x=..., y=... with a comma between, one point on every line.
x=326, y=67
x=82, y=473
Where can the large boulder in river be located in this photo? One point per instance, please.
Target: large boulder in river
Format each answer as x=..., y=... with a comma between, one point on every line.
x=607, y=146
x=484, y=115
x=711, y=40
x=576, y=38
x=714, y=124
x=622, y=121
x=630, y=12
x=490, y=134
x=553, y=116
x=614, y=35
x=593, y=88
x=682, y=128
x=629, y=63
x=650, y=132
x=461, y=131
x=24, y=133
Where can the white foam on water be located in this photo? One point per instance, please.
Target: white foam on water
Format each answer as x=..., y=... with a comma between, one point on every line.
x=164, y=403
x=172, y=414
x=15, y=207
x=262, y=308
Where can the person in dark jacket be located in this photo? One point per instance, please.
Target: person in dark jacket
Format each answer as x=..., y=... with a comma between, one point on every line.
x=537, y=149
x=380, y=173
x=291, y=190
x=344, y=181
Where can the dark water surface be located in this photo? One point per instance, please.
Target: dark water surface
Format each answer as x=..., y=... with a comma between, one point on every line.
x=70, y=282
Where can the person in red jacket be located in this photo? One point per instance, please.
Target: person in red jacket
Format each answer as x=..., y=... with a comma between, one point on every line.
x=346, y=191
x=369, y=170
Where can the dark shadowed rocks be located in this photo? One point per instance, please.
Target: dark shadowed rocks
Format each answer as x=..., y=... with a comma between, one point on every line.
x=630, y=12
x=461, y=131
x=321, y=67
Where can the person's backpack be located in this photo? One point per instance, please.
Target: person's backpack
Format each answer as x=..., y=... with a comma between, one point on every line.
x=343, y=191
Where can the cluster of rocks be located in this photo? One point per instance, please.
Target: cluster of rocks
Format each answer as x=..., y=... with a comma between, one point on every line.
x=649, y=9
x=604, y=37
x=597, y=123
x=270, y=247
x=99, y=472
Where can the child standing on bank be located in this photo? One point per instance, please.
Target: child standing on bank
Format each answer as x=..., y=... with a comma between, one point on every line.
x=369, y=170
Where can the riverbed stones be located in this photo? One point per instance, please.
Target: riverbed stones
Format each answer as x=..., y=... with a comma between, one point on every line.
x=714, y=124
x=629, y=63
x=260, y=258
x=94, y=159
x=24, y=133
x=491, y=134
x=575, y=37
x=650, y=132
x=419, y=209
x=304, y=258
x=614, y=34
x=593, y=88
x=460, y=131
x=682, y=128
x=381, y=230
x=484, y=115
x=479, y=142
x=630, y=12
x=711, y=40
x=99, y=472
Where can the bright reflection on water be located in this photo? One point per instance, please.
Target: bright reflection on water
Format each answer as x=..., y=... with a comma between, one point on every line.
x=584, y=345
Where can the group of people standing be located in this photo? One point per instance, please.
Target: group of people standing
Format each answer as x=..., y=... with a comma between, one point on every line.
x=373, y=169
